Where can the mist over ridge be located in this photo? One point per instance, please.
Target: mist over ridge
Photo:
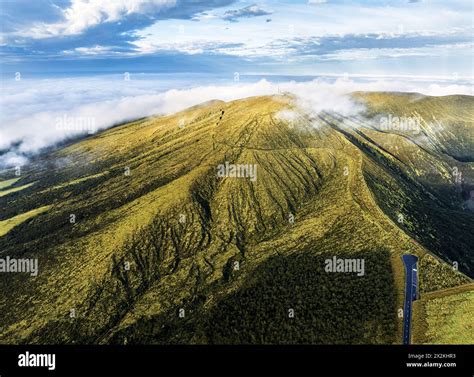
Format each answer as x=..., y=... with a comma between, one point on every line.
x=52, y=111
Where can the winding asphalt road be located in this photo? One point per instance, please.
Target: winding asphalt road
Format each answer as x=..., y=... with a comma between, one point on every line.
x=411, y=289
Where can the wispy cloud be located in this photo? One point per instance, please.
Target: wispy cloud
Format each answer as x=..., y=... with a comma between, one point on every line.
x=249, y=11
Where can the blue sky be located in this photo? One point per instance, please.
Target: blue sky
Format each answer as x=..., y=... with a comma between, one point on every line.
x=67, y=59
x=224, y=36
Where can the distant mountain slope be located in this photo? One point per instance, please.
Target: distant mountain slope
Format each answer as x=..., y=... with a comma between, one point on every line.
x=143, y=241
x=445, y=317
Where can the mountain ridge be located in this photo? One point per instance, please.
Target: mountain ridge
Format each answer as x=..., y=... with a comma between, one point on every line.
x=147, y=193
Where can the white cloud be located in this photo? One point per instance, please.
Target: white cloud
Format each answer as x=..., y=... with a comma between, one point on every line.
x=204, y=16
x=250, y=11
x=31, y=110
x=377, y=53
x=288, y=115
x=84, y=14
x=96, y=50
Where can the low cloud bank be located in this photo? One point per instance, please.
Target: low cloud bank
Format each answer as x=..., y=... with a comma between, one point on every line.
x=37, y=114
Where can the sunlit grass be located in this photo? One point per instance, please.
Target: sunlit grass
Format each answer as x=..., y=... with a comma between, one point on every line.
x=7, y=225
x=15, y=189
x=8, y=183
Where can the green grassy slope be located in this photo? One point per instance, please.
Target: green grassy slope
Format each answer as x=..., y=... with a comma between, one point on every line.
x=445, y=317
x=156, y=231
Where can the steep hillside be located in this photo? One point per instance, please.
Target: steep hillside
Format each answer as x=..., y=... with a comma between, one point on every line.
x=140, y=239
